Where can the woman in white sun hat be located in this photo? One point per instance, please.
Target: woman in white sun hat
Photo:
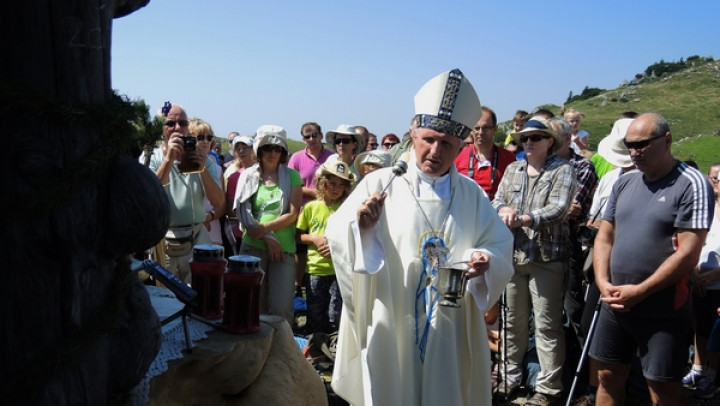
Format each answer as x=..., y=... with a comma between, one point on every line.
x=267, y=202
x=347, y=145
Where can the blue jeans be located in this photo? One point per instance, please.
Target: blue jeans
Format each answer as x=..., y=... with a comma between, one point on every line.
x=323, y=303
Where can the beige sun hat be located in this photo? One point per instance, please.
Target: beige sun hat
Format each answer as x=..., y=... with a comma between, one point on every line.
x=612, y=147
x=346, y=130
x=375, y=157
x=540, y=124
x=448, y=104
x=337, y=168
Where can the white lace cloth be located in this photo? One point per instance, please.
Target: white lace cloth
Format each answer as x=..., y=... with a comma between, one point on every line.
x=173, y=339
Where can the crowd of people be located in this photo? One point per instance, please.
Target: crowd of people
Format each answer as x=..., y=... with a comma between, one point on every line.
x=365, y=241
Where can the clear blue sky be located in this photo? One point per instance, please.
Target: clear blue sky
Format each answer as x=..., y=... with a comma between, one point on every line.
x=242, y=64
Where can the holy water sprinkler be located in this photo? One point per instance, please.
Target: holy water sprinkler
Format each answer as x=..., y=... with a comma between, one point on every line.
x=398, y=169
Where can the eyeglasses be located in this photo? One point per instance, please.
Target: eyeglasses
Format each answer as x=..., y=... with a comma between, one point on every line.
x=533, y=138
x=171, y=123
x=344, y=141
x=203, y=137
x=272, y=148
x=485, y=128
x=389, y=144
x=638, y=145
x=313, y=135
x=373, y=145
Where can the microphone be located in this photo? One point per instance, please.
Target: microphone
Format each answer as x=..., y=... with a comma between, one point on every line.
x=398, y=169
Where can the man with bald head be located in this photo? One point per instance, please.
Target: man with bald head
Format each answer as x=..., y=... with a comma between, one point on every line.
x=185, y=191
x=650, y=239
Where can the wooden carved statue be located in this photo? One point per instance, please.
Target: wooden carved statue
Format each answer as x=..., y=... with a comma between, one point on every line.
x=77, y=326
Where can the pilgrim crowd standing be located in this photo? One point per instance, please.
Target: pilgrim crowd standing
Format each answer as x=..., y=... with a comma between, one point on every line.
x=382, y=247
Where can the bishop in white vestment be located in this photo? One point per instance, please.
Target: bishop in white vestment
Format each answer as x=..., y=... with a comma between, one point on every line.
x=397, y=344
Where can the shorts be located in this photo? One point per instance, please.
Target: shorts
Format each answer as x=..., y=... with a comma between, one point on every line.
x=661, y=344
x=705, y=311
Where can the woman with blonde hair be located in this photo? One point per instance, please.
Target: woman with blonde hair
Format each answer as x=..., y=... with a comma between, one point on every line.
x=204, y=135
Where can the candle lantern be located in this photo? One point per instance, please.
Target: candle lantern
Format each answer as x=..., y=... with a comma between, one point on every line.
x=242, y=295
x=207, y=267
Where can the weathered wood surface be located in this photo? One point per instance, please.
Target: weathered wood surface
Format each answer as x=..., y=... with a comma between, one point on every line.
x=59, y=261
x=261, y=369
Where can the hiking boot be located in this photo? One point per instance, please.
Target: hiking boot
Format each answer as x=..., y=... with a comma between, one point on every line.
x=692, y=379
x=541, y=399
x=505, y=394
x=706, y=389
x=584, y=400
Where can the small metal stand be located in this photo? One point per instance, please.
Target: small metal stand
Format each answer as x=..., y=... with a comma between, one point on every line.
x=182, y=291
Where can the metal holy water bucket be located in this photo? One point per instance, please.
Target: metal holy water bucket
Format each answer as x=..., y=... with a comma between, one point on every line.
x=451, y=285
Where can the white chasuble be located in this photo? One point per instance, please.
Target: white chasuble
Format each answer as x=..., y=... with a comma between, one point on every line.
x=396, y=345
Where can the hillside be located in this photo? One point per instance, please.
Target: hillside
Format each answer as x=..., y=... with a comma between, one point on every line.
x=689, y=99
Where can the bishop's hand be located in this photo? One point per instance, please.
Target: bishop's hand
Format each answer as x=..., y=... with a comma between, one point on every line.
x=479, y=264
x=369, y=212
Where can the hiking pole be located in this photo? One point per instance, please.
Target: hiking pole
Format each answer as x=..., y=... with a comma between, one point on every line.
x=503, y=350
x=585, y=349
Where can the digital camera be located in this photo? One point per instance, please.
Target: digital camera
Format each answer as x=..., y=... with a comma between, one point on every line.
x=189, y=142
x=186, y=166
x=586, y=235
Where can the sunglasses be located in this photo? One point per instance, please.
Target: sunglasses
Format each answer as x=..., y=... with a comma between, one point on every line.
x=171, y=123
x=533, y=138
x=638, y=145
x=313, y=135
x=389, y=144
x=203, y=137
x=373, y=145
x=272, y=148
x=344, y=141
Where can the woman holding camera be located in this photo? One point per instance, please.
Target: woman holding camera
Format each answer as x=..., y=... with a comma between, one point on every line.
x=533, y=199
x=203, y=134
x=267, y=202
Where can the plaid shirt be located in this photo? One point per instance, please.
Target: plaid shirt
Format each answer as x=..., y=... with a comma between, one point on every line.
x=547, y=204
x=586, y=182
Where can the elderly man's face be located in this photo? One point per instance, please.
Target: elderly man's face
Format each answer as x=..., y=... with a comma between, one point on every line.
x=176, y=122
x=435, y=152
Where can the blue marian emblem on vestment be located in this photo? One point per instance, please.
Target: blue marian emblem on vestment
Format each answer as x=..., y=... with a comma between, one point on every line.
x=434, y=254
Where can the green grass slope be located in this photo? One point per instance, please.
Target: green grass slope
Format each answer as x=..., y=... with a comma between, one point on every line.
x=688, y=99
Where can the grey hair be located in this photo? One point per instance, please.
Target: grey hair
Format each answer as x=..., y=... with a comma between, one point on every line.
x=661, y=125
x=560, y=125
